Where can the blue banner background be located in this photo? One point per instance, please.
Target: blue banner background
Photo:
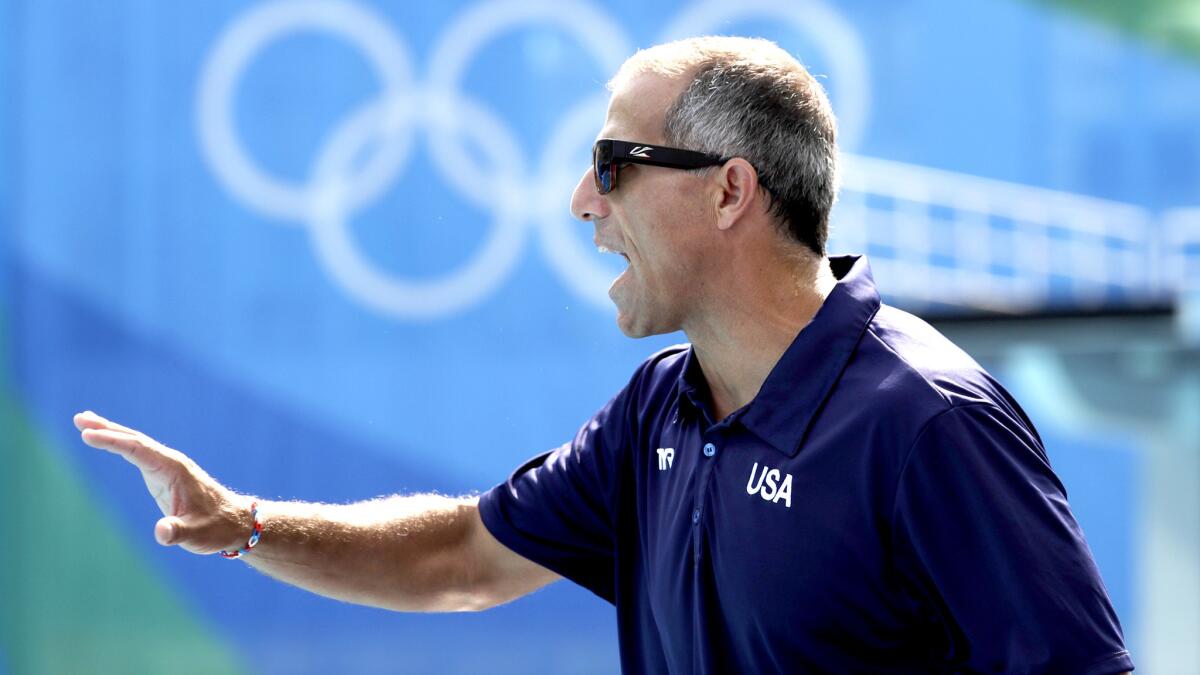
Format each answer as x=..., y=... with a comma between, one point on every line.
x=141, y=281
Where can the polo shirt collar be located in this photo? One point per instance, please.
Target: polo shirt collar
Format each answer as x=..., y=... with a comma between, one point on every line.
x=802, y=379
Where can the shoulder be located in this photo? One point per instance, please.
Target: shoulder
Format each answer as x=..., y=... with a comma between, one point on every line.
x=651, y=388
x=914, y=375
x=917, y=361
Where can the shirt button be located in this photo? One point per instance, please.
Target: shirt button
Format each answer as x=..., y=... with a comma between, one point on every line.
x=709, y=449
x=695, y=516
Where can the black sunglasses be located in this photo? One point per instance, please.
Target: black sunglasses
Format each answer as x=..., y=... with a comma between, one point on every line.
x=609, y=154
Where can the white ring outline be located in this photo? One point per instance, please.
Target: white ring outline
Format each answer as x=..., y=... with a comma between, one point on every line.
x=226, y=64
x=328, y=200
x=575, y=262
x=429, y=299
x=481, y=23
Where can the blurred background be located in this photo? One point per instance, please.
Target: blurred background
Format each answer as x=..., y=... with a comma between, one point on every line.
x=324, y=247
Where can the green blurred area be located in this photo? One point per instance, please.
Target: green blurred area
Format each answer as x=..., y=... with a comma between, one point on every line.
x=74, y=595
x=1171, y=24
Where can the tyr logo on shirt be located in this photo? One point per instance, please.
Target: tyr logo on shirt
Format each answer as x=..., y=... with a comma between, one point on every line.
x=773, y=491
x=665, y=457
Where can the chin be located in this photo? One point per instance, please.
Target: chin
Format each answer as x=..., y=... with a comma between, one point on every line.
x=640, y=315
x=633, y=331
x=626, y=325
x=634, y=328
x=629, y=326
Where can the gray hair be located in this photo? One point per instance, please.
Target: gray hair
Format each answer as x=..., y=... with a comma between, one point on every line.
x=749, y=98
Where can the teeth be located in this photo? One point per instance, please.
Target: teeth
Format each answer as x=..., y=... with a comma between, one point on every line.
x=605, y=249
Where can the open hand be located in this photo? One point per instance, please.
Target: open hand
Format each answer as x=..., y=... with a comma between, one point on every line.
x=199, y=514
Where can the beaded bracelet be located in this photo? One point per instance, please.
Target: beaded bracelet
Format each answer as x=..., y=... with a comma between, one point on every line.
x=230, y=555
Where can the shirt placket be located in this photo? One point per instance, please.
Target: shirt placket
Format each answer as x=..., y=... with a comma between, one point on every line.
x=709, y=451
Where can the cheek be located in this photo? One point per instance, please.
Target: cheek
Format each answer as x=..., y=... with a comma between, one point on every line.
x=666, y=224
x=673, y=269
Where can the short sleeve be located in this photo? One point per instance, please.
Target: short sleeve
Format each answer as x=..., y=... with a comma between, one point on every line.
x=983, y=531
x=559, y=508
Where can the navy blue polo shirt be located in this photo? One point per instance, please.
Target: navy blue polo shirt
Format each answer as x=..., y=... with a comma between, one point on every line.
x=882, y=506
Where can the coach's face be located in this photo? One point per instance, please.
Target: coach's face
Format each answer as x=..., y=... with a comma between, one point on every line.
x=655, y=217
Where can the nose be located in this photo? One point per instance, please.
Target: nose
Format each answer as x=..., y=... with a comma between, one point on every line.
x=586, y=203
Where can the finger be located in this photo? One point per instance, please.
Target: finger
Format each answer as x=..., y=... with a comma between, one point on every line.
x=90, y=420
x=136, y=449
x=169, y=531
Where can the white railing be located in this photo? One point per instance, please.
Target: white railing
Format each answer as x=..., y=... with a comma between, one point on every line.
x=939, y=238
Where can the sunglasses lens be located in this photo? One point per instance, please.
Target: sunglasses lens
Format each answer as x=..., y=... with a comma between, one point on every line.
x=603, y=168
x=604, y=178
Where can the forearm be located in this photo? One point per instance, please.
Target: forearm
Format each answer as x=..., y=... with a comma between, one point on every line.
x=420, y=553
x=402, y=553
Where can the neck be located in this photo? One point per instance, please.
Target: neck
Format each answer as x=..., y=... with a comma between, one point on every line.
x=742, y=337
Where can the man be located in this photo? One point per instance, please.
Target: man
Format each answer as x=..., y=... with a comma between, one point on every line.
x=818, y=483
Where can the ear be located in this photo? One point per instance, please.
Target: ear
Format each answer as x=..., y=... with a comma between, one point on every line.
x=736, y=192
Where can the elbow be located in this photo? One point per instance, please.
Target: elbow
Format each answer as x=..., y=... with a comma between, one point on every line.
x=469, y=579
x=477, y=603
x=436, y=596
x=479, y=591
x=482, y=572
x=467, y=597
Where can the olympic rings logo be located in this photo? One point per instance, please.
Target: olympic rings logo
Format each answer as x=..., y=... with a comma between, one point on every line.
x=519, y=198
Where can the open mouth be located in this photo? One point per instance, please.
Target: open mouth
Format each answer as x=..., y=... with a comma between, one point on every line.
x=605, y=249
x=622, y=277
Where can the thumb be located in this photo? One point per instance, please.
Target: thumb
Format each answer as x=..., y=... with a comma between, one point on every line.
x=169, y=531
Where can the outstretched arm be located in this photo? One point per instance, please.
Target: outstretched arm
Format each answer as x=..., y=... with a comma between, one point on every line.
x=416, y=553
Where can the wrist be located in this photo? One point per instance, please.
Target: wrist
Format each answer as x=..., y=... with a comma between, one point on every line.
x=247, y=525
